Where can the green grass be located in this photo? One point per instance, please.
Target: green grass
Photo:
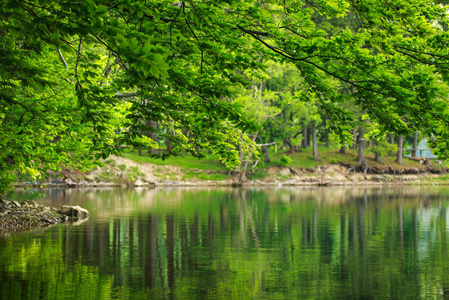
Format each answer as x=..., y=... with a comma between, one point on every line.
x=304, y=159
x=444, y=177
x=211, y=162
x=191, y=175
x=257, y=175
x=300, y=159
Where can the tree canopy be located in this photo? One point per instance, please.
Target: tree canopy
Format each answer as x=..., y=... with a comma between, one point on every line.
x=79, y=78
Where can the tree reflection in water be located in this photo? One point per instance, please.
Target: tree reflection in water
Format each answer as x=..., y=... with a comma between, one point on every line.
x=235, y=243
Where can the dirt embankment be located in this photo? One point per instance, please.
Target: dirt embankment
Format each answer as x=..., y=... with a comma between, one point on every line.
x=119, y=171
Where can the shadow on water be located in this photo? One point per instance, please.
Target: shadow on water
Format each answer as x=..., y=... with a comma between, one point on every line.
x=280, y=243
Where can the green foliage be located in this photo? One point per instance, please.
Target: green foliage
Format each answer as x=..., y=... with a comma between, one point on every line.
x=6, y=178
x=285, y=161
x=383, y=147
x=81, y=78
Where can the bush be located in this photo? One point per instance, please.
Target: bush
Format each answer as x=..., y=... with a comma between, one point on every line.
x=335, y=161
x=286, y=160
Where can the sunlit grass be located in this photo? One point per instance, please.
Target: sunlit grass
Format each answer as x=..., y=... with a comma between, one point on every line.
x=211, y=162
x=300, y=159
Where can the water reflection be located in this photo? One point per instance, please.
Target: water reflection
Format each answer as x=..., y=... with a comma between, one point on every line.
x=347, y=243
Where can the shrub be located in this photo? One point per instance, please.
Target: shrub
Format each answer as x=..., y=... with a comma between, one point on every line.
x=335, y=161
x=286, y=160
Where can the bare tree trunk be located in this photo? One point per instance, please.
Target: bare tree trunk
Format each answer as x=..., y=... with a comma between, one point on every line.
x=314, y=141
x=266, y=151
x=377, y=158
x=343, y=149
x=308, y=136
x=168, y=144
x=304, y=138
x=288, y=143
x=415, y=144
x=361, y=142
x=326, y=132
x=400, y=145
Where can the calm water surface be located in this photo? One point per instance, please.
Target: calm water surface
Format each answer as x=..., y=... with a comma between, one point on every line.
x=299, y=243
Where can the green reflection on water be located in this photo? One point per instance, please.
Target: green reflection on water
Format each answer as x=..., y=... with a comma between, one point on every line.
x=317, y=243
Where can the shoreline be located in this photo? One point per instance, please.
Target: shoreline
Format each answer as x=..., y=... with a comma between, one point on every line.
x=29, y=215
x=375, y=180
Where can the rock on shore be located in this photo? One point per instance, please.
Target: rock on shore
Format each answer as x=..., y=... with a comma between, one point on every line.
x=29, y=215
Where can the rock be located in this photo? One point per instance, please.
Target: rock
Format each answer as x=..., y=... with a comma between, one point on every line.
x=150, y=179
x=15, y=204
x=70, y=183
x=138, y=182
x=285, y=172
x=379, y=178
x=75, y=212
x=30, y=203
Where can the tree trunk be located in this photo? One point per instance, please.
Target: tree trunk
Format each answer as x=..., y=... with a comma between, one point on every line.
x=308, y=137
x=168, y=144
x=326, y=132
x=415, y=144
x=377, y=158
x=304, y=138
x=288, y=143
x=343, y=149
x=244, y=166
x=361, y=142
x=314, y=141
x=400, y=145
x=266, y=151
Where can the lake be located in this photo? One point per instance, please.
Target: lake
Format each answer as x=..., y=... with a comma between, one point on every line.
x=235, y=243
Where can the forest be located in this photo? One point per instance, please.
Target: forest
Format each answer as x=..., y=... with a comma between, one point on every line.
x=82, y=79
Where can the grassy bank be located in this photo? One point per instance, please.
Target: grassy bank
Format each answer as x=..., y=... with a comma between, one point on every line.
x=298, y=167
x=210, y=167
x=299, y=159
